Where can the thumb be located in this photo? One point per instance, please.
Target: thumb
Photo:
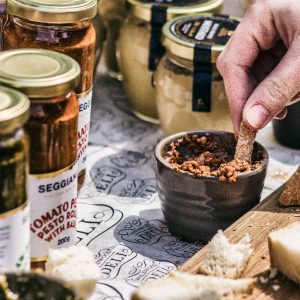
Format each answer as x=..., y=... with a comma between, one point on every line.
x=273, y=94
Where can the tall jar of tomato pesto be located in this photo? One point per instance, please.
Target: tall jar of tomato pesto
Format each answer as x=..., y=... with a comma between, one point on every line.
x=48, y=79
x=64, y=26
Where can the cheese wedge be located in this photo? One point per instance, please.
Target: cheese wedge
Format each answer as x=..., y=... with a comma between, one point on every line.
x=284, y=247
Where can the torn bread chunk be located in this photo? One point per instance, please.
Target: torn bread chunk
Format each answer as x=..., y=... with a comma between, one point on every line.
x=75, y=266
x=291, y=193
x=244, y=147
x=284, y=247
x=179, y=286
x=224, y=259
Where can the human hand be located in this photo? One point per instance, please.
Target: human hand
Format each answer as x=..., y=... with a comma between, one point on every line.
x=261, y=63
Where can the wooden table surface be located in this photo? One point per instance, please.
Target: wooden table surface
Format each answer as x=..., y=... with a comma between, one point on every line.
x=258, y=223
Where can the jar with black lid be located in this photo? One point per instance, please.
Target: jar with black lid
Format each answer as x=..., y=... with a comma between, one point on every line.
x=14, y=208
x=141, y=48
x=48, y=79
x=190, y=92
x=64, y=26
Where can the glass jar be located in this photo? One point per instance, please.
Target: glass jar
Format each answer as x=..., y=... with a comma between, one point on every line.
x=141, y=48
x=285, y=130
x=48, y=78
x=112, y=13
x=64, y=26
x=14, y=209
x=190, y=93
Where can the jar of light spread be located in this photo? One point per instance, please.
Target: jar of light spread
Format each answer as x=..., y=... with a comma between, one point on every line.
x=190, y=93
x=112, y=13
x=64, y=26
x=141, y=48
x=14, y=208
x=48, y=79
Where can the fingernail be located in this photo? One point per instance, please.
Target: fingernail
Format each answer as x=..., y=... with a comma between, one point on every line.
x=257, y=116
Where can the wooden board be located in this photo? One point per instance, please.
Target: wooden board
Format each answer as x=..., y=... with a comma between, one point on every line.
x=258, y=223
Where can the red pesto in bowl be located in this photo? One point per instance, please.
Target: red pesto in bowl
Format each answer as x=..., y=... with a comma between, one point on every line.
x=201, y=155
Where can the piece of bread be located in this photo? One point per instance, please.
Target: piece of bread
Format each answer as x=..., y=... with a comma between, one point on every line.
x=75, y=266
x=244, y=147
x=284, y=247
x=183, y=286
x=224, y=259
x=291, y=193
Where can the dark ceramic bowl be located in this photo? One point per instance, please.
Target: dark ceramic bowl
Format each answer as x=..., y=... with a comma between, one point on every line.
x=31, y=286
x=195, y=208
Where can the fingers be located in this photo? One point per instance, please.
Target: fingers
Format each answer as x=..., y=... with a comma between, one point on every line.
x=274, y=93
x=255, y=32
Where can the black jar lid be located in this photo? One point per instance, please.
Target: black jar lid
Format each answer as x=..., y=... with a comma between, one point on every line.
x=208, y=33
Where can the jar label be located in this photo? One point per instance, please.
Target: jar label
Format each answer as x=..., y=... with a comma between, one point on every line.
x=157, y=50
x=14, y=240
x=202, y=82
x=53, y=199
x=84, y=119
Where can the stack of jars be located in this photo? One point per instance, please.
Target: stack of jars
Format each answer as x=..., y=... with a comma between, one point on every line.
x=46, y=78
x=168, y=52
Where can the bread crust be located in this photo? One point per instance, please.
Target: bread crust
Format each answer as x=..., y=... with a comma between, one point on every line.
x=291, y=193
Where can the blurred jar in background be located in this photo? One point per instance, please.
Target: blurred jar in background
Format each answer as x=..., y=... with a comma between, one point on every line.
x=112, y=14
x=286, y=130
x=141, y=48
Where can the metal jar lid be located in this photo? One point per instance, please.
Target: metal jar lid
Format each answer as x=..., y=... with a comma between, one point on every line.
x=199, y=37
x=53, y=11
x=143, y=8
x=14, y=107
x=39, y=73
